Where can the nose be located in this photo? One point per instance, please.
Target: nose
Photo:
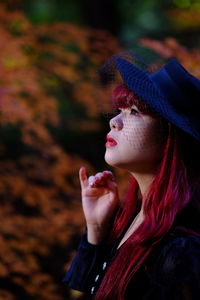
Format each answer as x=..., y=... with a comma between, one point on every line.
x=116, y=123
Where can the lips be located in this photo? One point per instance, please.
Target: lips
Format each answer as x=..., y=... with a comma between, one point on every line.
x=110, y=141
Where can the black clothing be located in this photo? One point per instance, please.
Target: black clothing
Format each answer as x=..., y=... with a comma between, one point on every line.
x=171, y=271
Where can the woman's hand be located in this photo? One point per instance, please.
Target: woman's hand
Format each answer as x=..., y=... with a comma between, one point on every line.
x=99, y=199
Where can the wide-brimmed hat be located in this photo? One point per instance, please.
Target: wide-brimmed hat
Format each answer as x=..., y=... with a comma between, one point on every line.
x=171, y=91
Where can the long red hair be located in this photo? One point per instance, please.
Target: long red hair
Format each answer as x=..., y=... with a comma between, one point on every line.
x=176, y=181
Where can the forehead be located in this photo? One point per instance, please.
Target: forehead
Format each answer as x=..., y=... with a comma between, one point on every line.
x=123, y=97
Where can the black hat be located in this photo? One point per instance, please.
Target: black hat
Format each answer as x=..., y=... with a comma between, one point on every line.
x=171, y=91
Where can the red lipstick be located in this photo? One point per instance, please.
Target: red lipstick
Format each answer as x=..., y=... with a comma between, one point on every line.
x=110, y=141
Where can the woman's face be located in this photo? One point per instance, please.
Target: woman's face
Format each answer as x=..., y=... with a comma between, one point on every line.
x=138, y=141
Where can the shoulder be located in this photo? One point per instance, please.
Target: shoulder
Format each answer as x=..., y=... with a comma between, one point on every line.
x=179, y=257
x=180, y=242
x=174, y=268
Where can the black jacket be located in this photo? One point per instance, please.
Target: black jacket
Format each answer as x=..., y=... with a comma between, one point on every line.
x=171, y=272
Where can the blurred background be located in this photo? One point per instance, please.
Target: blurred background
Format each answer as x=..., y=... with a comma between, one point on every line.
x=51, y=124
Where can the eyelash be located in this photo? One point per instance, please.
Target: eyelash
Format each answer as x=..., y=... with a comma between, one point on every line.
x=133, y=111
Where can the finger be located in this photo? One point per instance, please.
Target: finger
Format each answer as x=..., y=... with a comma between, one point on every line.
x=103, y=175
x=95, y=182
x=83, y=177
x=98, y=180
x=91, y=181
x=108, y=174
x=111, y=183
x=98, y=177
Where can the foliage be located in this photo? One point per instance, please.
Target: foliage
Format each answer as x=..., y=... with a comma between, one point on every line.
x=158, y=19
x=46, y=102
x=185, y=19
x=169, y=47
x=128, y=19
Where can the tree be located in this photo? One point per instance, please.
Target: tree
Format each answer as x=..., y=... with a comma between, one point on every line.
x=46, y=99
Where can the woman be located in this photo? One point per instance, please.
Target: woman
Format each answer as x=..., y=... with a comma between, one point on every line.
x=147, y=247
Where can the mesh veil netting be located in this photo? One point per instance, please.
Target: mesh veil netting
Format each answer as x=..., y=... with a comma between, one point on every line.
x=140, y=133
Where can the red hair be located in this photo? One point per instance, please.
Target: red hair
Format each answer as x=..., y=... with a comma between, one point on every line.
x=172, y=189
x=123, y=97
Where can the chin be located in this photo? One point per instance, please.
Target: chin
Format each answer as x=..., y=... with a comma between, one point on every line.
x=109, y=159
x=128, y=165
x=114, y=162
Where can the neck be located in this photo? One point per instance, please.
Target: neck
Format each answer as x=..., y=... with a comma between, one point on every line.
x=144, y=182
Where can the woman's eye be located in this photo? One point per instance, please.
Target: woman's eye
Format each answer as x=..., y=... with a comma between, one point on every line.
x=134, y=111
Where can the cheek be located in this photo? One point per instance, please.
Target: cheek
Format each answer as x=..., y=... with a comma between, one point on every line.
x=154, y=143
x=144, y=136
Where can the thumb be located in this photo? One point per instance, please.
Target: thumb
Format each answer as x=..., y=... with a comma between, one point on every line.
x=83, y=177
